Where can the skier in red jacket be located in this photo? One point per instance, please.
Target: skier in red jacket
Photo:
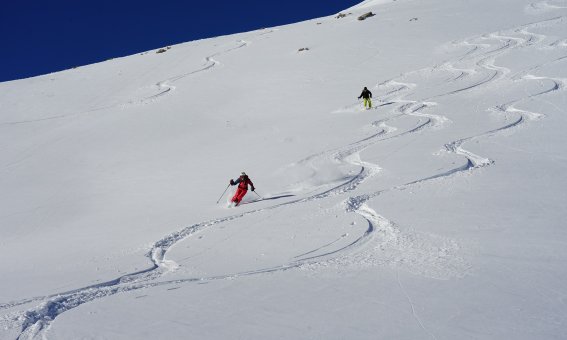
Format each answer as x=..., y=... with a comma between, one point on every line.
x=243, y=181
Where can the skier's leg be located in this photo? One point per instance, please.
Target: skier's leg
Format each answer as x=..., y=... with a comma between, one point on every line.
x=235, y=197
x=241, y=195
x=369, y=103
x=238, y=195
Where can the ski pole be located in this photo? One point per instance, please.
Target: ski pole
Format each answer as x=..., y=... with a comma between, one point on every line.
x=223, y=193
x=258, y=195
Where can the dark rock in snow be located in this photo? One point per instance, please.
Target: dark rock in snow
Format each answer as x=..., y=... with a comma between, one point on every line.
x=161, y=50
x=366, y=15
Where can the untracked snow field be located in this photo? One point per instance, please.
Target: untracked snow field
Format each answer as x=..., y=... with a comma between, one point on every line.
x=437, y=214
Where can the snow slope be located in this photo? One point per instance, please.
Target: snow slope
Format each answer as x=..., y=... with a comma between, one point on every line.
x=438, y=214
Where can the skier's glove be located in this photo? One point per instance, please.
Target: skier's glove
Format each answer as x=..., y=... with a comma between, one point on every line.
x=253, y=189
x=231, y=182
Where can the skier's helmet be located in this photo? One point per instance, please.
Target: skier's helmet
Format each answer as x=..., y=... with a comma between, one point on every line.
x=242, y=173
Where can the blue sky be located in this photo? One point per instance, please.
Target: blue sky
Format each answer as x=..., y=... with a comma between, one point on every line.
x=40, y=36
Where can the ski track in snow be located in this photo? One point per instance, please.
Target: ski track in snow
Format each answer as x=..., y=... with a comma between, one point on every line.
x=162, y=88
x=545, y=6
x=487, y=62
x=383, y=242
x=430, y=255
x=412, y=305
x=166, y=86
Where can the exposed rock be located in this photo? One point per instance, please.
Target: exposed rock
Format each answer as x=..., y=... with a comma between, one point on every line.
x=366, y=15
x=161, y=50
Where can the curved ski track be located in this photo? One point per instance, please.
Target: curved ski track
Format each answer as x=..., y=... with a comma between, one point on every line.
x=482, y=56
x=382, y=243
x=162, y=88
x=165, y=86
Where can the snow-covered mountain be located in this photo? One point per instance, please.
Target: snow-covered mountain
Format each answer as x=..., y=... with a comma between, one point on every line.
x=437, y=214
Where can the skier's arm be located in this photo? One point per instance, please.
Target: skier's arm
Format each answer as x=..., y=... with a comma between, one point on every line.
x=235, y=182
x=251, y=184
